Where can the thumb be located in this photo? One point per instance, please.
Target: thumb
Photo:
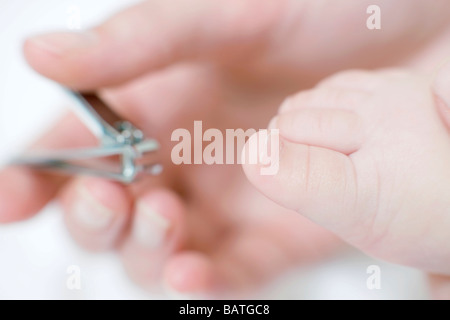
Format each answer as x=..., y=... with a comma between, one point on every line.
x=441, y=90
x=152, y=35
x=315, y=175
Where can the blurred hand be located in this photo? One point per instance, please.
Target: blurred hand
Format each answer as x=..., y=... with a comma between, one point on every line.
x=163, y=65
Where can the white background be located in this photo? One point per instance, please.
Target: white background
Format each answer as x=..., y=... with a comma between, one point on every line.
x=35, y=255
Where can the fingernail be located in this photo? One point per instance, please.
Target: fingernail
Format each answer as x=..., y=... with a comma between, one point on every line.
x=149, y=227
x=90, y=213
x=61, y=42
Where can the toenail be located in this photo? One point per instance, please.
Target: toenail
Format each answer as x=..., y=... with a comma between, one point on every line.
x=90, y=213
x=149, y=228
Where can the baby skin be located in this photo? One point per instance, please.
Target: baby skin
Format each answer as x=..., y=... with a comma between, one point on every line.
x=367, y=155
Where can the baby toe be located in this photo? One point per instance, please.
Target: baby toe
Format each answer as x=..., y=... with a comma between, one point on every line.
x=96, y=212
x=157, y=231
x=191, y=275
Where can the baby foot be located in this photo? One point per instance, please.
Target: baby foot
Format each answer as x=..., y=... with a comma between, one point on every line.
x=367, y=155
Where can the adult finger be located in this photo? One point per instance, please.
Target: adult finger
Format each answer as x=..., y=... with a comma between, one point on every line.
x=151, y=35
x=23, y=191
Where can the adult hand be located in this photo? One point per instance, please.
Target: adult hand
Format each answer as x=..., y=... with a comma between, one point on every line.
x=163, y=65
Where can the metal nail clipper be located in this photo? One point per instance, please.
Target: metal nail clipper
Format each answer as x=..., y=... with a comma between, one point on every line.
x=126, y=153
